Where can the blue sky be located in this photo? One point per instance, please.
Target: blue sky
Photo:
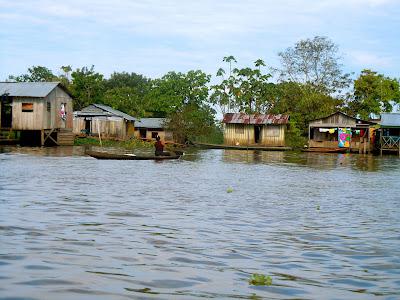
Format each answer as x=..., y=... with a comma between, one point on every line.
x=152, y=37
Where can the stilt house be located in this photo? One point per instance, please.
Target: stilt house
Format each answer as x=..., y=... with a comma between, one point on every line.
x=339, y=130
x=256, y=129
x=40, y=111
x=100, y=118
x=390, y=132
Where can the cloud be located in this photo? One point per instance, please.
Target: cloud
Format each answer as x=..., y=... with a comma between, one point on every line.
x=370, y=60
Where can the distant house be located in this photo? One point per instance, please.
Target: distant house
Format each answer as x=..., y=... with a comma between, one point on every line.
x=339, y=130
x=40, y=111
x=390, y=132
x=255, y=129
x=149, y=128
x=111, y=123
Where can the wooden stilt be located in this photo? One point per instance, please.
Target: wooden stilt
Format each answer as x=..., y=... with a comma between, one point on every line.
x=42, y=139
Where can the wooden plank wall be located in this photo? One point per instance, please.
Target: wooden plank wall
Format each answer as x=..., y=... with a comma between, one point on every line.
x=238, y=134
x=27, y=120
x=273, y=135
x=242, y=134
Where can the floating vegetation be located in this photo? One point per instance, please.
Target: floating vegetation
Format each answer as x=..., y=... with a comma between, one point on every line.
x=260, y=279
x=229, y=190
x=318, y=207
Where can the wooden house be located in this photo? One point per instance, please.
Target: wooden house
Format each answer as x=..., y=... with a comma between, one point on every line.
x=339, y=130
x=100, y=118
x=149, y=128
x=389, y=132
x=40, y=111
x=256, y=129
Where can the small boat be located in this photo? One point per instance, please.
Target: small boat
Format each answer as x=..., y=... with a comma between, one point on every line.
x=130, y=156
x=326, y=150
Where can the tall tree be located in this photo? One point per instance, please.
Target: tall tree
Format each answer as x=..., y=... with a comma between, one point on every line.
x=245, y=90
x=316, y=63
x=87, y=87
x=373, y=93
x=126, y=99
x=124, y=79
x=35, y=74
x=182, y=98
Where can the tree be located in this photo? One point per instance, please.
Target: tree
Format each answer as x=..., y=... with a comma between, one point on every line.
x=182, y=98
x=245, y=90
x=124, y=79
x=314, y=62
x=302, y=103
x=373, y=93
x=87, y=87
x=35, y=74
x=126, y=99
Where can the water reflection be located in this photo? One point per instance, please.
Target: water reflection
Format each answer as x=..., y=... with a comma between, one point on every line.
x=321, y=225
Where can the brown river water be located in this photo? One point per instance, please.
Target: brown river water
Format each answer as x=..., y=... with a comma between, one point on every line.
x=322, y=226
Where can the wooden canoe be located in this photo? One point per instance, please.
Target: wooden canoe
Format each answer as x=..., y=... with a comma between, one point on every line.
x=107, y=155
x=326, y=150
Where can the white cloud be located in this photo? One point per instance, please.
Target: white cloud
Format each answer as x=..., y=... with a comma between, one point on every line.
x=370, y=60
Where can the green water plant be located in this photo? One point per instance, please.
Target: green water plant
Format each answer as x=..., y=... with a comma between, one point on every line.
x=260, y=279
x=229, y=190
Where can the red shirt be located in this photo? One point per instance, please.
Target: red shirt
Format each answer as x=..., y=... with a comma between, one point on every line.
x=159, y=146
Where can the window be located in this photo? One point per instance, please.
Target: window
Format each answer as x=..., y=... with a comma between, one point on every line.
x=274, y=131
x=239, y=129
x=154, y=134
x=27, y=107
x=48, y=106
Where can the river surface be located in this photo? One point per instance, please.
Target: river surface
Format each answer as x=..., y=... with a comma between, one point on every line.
x=322, y=226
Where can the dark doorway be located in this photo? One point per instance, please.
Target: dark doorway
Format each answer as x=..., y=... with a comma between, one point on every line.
x=143, y=133
x=6, y=111
x=87, y=126
x=257, y=134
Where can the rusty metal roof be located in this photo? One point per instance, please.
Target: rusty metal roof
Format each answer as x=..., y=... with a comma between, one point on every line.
x=257, y=119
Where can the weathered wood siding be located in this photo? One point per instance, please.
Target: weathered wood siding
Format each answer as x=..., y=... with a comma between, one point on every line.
x=42, y=118
x=336, y=120
x=238, y=134
x=243, y=134
x=32, y=120
x=164, y=135
x=273, y=135
x=114, y=127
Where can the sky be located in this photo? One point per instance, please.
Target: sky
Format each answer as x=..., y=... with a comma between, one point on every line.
x=152, y=37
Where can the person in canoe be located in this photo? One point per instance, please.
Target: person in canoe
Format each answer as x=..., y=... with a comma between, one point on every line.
x=159, y=147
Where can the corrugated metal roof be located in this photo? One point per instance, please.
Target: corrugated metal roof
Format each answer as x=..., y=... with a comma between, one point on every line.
x=150, y=123
x=390, y=119
x=257, y=119
x=27, y=89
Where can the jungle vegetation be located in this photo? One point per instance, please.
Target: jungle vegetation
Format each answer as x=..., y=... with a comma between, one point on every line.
x=308, y=84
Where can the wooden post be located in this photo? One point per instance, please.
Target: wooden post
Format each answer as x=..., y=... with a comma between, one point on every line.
x=380, y=142
x=42, y=137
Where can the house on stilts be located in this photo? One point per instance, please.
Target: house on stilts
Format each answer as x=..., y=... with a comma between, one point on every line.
x=41, y=112
x=389, y=133
x=339, y=130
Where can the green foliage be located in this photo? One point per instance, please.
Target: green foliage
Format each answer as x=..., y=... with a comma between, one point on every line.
x=260, y=279
x=135, y=81
x=373, y=93
x=294, y=136
x=229, y=190
x=126, y=99
x=215, y=136
x=87, y=87
x=129, y=144
x=246, y=90
x=191, y=121
x=35, y=74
